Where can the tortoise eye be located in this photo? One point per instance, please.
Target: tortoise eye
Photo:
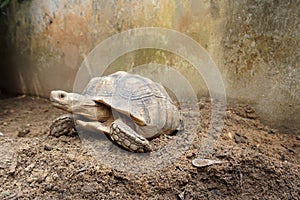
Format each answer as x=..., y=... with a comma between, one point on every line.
x=61, y=95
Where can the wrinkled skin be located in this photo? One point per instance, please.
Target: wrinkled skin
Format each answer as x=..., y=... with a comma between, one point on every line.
x=78, y=104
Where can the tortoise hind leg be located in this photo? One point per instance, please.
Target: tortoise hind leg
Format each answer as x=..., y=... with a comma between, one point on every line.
x=126, y=137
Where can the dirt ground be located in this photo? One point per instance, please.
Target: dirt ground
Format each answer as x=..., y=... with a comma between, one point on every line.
x=257, y=162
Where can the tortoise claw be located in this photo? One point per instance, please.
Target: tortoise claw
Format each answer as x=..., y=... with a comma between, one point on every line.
x=126, y=137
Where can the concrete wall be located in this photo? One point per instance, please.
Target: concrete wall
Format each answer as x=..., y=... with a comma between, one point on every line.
x=255, y=44
x=261, y=58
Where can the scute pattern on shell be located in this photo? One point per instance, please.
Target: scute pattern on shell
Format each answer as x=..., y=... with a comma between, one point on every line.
x=136, y=96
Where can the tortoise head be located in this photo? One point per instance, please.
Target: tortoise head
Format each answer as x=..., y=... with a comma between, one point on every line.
x=68, y=101
x=80, y=105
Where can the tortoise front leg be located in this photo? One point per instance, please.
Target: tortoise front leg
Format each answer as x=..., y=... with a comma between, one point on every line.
x=63, y=125
x=126, y=137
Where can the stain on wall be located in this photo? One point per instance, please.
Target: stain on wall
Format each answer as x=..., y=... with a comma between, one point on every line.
x=255, y=44
x=261, y=55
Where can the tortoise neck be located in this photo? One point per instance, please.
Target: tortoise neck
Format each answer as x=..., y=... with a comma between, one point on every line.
x=91, y=110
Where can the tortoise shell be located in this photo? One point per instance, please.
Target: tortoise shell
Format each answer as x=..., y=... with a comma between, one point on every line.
x=140, y=98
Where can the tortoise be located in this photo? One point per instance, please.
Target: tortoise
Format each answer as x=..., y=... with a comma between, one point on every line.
x=129, y=108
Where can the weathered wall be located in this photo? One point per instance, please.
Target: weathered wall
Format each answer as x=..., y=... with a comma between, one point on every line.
x=254, y=43
x=261, y=58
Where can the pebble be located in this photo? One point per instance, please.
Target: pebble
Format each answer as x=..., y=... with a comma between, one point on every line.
x=83, y=169
x=71, y=157
x=49, y=187
x=230, y=135
x=202, y=162
x=190, y=155
x=30, y=167
x=271, y=131
x=239, y=139
x=48, y=148
x=181, y=196
x=1, y=134
x=23, y=132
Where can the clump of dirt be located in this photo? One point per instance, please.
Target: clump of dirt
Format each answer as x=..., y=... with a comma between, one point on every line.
x=257, y=162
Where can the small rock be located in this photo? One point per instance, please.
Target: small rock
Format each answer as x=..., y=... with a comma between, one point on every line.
x=48, y=148
x=23, y=132
x=37, y=176
x=49, y=187
x=181, y=195
x=42, y=176
x=190, y=154
x=239, y=139
x=260, y=127
x=83, y=169
x=30, y=167
x=271, y=131
x=71, y=157
x=48, y=179
x=230, y=135
x=54, y=177
x=1, y=134
x=202, y=162
x=4, y=123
